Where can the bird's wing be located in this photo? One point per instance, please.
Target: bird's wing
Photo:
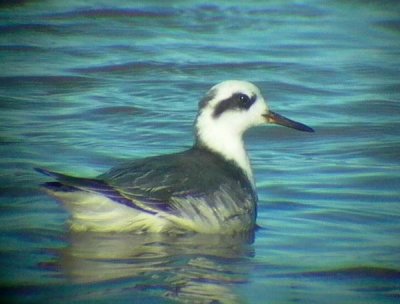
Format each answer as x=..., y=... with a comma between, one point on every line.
x=187, y=182
x=172, y=182
x=68, y=183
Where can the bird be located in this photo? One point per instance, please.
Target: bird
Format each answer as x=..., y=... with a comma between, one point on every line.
x=208, y=188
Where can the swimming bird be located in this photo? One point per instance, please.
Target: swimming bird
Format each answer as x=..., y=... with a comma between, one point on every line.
x=208, y=188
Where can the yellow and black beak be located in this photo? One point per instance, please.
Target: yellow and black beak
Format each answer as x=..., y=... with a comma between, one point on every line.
x=275, y=118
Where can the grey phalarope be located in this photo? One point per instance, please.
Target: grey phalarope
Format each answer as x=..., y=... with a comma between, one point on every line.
x=207, y=189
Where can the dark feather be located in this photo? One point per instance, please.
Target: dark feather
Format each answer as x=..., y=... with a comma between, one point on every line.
x=67, y=183
x=155, y=184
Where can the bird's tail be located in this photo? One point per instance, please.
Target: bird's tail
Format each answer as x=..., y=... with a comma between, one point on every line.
x=96, y=206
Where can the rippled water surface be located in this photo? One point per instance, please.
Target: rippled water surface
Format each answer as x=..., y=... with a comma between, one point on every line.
x=87, y=84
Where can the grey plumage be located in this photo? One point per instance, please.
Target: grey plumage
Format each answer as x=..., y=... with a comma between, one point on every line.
x=220, y=197
x=165, y=183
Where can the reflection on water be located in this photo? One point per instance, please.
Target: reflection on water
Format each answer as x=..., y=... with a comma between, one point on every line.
x=189, y=268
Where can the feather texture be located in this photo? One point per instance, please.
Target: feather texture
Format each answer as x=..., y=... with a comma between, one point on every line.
x=161, y=192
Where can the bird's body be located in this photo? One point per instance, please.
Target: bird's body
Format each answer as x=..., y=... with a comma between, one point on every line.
x=208, y=188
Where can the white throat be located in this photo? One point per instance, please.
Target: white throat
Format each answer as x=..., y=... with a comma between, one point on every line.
x=222, y=137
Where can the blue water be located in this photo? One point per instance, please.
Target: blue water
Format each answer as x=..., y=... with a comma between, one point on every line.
x=87, y=84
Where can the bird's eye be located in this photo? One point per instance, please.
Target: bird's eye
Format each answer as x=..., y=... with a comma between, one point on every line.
x=245, y=101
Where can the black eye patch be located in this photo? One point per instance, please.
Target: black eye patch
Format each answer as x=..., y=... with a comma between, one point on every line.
x=237, y=101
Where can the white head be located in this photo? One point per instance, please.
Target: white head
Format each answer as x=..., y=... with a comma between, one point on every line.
x=226, y=112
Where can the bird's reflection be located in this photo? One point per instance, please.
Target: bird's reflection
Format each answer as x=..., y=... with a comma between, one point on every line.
x=191, y=268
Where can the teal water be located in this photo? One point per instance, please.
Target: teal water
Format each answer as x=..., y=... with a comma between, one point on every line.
x=87, y=84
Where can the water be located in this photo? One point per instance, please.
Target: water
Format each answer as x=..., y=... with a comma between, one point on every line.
x=86, y=84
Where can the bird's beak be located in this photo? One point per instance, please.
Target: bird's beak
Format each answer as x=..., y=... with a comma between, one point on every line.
x=275, y=118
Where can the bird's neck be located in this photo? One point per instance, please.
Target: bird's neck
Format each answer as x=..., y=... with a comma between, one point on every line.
x=226, y=142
